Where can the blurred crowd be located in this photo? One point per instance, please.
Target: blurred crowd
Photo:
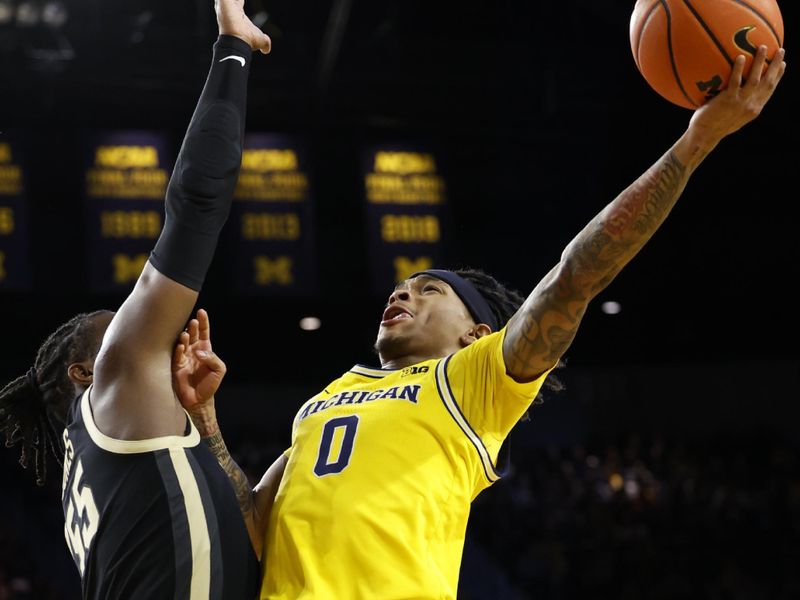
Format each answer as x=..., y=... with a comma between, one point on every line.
x=648, y=519
x=631, y=518
x=34, y=561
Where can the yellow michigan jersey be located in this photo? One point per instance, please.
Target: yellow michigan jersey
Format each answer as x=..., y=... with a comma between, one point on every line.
x=381, y=473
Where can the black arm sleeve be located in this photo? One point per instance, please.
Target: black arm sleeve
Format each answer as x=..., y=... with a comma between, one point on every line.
x=200, y=191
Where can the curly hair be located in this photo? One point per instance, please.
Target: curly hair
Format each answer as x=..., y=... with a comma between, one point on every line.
x=33, y=407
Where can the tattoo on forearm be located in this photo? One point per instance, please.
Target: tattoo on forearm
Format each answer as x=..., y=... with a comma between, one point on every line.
x=649, y=200
x=590, y=263
x=241, y=485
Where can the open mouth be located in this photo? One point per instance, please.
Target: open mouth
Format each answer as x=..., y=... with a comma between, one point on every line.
x=395, y=314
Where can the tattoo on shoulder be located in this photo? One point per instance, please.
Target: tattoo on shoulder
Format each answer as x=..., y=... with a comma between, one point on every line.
x=541, y=337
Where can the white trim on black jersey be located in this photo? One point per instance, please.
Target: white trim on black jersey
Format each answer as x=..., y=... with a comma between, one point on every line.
x=134, y=446
x=198, y=527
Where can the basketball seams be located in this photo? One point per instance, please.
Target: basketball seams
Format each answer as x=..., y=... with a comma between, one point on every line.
x=672, y=54
x=761, y=16
x=709, y=32
x=698, y=40
x=644, y=21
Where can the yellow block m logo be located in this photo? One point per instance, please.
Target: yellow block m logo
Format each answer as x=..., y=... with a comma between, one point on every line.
x=127, y=268
x=404, y=267
x=268, y=271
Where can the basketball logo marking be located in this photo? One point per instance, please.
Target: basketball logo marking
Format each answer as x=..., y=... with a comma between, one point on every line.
x=741, y=41
x=686, y=49
x=710, y=87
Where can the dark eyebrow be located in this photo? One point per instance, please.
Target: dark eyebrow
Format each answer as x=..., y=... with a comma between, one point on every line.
x=423, y=279
x=411, y=281
x=428, y=279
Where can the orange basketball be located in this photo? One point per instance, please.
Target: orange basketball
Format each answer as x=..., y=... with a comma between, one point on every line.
x=685, y=48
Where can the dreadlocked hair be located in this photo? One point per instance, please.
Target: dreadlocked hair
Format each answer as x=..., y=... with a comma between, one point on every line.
x=504, y=302
x=33, y=407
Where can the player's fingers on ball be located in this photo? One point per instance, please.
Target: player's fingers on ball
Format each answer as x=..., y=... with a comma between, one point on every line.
x=772, y=78
x=757, y=69
x=736, y=73
x=778, y=65
x=781, y=70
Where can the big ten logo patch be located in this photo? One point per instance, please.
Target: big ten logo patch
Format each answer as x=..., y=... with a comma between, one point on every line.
x=415, y=370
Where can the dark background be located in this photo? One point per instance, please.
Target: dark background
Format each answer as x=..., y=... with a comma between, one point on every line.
x=542, y=118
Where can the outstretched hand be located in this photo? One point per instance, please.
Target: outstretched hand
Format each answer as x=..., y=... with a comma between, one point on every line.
x=196, y=371
x=741, y=101
x=232, y=20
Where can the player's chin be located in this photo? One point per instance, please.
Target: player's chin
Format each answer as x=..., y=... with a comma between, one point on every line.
x=390, y=342
x=384, y=335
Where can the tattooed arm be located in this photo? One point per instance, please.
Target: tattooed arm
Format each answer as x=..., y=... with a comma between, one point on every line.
x=540, y=332
x=196, y=376
x=238, y=478
x=255, y=503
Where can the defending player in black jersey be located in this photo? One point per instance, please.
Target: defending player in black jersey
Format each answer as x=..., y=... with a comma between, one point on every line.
x=149, y=514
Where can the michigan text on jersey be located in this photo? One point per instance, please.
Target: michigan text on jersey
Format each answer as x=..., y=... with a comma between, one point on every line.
x=401, y=392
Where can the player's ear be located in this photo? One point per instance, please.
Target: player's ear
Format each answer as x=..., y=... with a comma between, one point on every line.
x=475, y=333
x=81, y=373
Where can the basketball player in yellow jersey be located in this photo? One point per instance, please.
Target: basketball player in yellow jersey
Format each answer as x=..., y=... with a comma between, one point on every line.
x=389, y=460
x=377, y=484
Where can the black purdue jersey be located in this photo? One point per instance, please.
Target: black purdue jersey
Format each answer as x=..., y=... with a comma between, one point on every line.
x=152, y=519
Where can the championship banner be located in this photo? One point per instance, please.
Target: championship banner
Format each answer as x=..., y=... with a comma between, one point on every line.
x=270, y=230
x=406, y=210
x=126, y=179
x=15, y=267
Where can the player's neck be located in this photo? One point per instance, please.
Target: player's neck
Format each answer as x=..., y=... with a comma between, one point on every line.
x=402, y=362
